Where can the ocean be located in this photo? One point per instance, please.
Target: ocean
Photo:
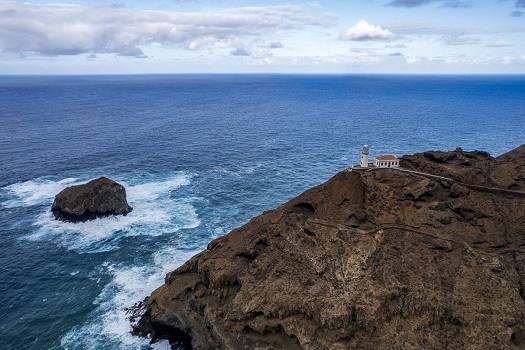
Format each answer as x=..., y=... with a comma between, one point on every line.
x=199, y=155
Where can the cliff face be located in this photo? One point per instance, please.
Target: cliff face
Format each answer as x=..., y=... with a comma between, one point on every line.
x=386, y=259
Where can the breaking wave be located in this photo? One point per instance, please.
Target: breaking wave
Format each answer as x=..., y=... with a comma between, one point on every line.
x=108, y=326
x=157, y=210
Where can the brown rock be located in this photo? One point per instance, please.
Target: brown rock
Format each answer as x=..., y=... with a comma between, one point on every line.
x=458, y=190
x=475, y=168
x=356, y=263
x=97, y=198
x=419, y=189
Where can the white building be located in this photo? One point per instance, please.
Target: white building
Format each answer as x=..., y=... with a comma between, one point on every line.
x=386, y=161
x=364, y=157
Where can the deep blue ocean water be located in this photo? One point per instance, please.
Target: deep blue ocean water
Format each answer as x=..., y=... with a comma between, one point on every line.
x=199, y=155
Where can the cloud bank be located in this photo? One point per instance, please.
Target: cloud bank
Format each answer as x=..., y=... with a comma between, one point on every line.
x=445, y=3
x=53, y=30
x=257, y=48
x=455, y=40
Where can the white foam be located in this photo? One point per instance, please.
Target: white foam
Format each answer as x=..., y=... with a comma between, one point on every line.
x=159, y=207
x=156, y=211
x=218, y=231
x=35, y=192
x=108, y=323
x=239, y=171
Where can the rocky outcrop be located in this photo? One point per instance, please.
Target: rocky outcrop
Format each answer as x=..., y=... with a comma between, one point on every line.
x=385, y=259
x=97, y=198
x=475, y=168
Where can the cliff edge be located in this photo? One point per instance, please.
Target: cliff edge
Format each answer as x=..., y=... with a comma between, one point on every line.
x=431, y=256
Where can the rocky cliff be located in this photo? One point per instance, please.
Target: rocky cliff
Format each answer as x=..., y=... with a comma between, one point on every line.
x=431, y=256
x=97, y=198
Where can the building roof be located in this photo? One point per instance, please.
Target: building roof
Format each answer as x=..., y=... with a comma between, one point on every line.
x=386, y=158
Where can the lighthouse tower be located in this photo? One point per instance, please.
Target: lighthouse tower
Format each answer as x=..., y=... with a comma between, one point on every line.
x=364, y=157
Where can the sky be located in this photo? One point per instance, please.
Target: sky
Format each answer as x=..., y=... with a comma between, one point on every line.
x=263, y=36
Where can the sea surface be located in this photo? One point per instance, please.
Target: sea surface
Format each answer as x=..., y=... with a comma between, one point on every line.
x=199, y=155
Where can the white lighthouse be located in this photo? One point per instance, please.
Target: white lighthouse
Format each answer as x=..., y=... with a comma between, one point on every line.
x=364, y=157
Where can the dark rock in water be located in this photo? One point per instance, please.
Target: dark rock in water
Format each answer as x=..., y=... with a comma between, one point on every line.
x=97, y=198
x=385, y=259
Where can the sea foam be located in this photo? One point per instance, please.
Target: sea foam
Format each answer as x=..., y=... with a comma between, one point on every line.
x=157, y=210
x=34, y=192
x=108, y=325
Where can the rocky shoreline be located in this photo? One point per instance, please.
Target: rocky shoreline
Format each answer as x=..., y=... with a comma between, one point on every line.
x=431, y=256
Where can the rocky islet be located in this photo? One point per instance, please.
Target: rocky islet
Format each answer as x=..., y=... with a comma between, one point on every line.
x=97, y=198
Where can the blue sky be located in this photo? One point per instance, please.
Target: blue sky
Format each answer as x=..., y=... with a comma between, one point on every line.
x=231, y=36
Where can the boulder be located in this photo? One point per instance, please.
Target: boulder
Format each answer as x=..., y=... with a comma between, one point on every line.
x=97, y=198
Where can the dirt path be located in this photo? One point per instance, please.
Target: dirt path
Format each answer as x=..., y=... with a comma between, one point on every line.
x=387, y=227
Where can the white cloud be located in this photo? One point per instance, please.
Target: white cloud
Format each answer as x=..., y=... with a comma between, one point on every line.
x=73, y=29
x=416, y=3
x=422, y=28
x=240, y=51
x=455, y=40
x=258, y=48
x=499, y=43
x=363, y=31
x=132, y=52
x=396, y=46
x=275, y=45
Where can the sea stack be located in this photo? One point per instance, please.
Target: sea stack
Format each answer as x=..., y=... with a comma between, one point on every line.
x=97, y=198
x=426, y=256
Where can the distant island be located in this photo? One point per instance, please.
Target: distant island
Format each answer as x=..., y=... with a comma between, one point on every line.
x=428, y=255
